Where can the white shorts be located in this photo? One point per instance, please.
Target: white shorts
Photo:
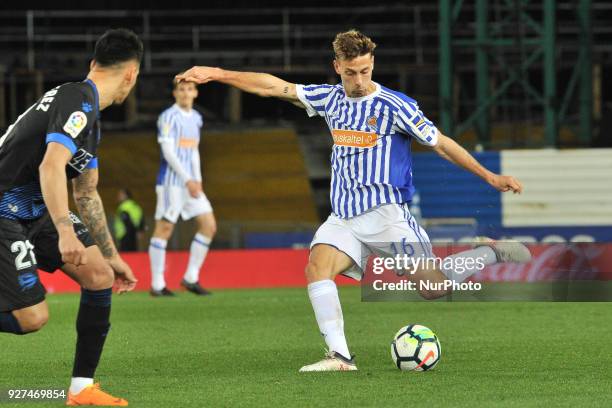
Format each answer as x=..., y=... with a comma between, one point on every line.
x=386, y=230
x=173, y=201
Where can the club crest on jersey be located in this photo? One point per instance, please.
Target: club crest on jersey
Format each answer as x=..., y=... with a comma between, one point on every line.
x=373, y=123
x=75, y=123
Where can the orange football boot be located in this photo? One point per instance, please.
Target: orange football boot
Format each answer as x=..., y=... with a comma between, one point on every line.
x=93, y=395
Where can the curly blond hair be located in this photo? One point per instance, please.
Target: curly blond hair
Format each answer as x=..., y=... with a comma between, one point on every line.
x=352, y=44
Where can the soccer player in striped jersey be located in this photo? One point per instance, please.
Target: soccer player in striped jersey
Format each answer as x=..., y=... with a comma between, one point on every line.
x=371, y=181
x=179, y=190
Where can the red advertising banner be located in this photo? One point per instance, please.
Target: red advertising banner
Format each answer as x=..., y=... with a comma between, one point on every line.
x=247, y=268
x=577, y=261
x=265, y=268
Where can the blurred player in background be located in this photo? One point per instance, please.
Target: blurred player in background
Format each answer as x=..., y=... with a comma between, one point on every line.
x=54, y=140
x=179, y=190
x=371, y=181
x=129, y=222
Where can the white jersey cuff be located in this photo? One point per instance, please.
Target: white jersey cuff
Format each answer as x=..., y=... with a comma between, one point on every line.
x=301, y=94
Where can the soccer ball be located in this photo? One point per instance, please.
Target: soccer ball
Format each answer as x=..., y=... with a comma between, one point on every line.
x=416, y=348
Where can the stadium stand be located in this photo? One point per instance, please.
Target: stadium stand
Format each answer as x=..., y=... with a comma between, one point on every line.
x=256, y=179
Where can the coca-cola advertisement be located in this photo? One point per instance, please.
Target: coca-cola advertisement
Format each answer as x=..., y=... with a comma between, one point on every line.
x=553, y=262
x=555, y=272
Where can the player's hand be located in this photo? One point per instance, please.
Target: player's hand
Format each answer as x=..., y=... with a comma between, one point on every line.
x=506, y=183
x=199, y=75
x=194, y=188
x=71, y=249
x=125, y=280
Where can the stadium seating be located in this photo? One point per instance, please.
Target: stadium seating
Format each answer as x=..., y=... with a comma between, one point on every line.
x=256, y=180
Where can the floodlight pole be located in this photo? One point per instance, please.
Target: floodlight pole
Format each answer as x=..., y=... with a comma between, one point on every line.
x=446, y=69
x=482, y=68
x=540, y=53
x=550, y=87
x=586, y=71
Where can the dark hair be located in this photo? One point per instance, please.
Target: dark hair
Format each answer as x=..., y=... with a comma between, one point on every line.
x=116, y=46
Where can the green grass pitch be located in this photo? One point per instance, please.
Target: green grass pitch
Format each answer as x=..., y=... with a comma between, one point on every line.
x=244, y=347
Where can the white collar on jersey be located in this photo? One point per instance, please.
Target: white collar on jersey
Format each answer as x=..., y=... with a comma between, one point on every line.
x=366, y=97
x=183, y=111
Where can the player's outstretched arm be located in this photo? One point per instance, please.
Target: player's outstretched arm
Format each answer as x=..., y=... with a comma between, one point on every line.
x=52, y=171
x=257, y=83
x=453, y=152
x=91, y=209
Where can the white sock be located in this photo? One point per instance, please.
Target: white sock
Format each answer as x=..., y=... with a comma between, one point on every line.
x=326, y=304
x=197, y=254
x=157, y=255
x=78, y=383
x=457, y=269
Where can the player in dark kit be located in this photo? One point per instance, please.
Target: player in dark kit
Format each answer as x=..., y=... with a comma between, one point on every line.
x=53, y=141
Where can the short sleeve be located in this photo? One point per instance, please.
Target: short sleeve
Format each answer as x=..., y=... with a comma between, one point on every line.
x=166, y=128
x=71, y=118
x=93, y=164
x=411, y=121
x=314, y=97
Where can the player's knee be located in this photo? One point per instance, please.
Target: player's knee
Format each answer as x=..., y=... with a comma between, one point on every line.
x=208, y=230
x=163, y=235
x=100, y=277
x=316, y=272
x=167, y=229
x=212, y=229
x=33, y=321
x=163, y=231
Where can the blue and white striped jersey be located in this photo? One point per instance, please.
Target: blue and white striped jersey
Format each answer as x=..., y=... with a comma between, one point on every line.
x=182, y=130
x=371, y=158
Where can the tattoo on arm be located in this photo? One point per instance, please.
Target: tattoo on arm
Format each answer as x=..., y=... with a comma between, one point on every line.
x=92, y=213
x=93, y=216
x=290, y=95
